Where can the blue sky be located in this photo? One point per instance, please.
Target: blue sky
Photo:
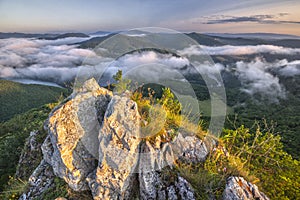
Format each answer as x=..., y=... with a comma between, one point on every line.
x=276, y=16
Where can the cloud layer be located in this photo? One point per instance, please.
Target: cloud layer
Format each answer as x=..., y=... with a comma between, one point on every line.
x=238, y=50
x=54, y=61
x=58, y=62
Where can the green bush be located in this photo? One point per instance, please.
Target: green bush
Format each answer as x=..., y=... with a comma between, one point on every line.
x=262, y=154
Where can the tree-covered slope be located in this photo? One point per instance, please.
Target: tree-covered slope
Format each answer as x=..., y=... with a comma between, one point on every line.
x=16, y=98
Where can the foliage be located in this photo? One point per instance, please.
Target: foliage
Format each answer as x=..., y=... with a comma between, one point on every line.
x=169, y=102
x=261, y=152
x=16, y=98
x=60, y=189
x=12, y=137
x=162, y=116
x=284, y=113
x=122, y=83
x=258, y=156
x=14, y=189
x=207, y=184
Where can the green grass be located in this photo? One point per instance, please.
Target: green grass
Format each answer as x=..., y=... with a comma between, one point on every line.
x=16, y=98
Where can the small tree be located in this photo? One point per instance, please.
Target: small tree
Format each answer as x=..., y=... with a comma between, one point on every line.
x=122, y=84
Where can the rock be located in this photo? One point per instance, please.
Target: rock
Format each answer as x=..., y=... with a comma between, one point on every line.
x=60, y=198
x=153, y=186
x=40, y=181
x=238, y=188
x=72, y=127
x=189, y=148
x=156, y=182
x=118, y=151
x=30, y=157
x=95, y=143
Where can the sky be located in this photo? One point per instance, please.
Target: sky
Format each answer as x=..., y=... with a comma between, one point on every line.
x=206, y=16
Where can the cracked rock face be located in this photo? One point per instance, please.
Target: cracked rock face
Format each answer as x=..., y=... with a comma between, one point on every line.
x=72, y=127
x=160, y=183
x=238, y=188
x=94, y=144
x=118, y=150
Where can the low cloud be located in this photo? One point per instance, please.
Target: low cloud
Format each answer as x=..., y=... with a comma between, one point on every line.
x=290, y=68
x=45, y=60
x=238, y=50
x=58, y=62
x=140, y=60
x=152, y=57
x=256, y=79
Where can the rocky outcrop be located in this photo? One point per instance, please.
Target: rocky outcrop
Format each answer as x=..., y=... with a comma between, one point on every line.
x=156, y=179
x=238, y=188
x=73, y=129
x=118, y=151
x=95, y=143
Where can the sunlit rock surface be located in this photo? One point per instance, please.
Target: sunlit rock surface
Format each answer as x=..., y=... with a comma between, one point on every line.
x=94, y=143
x=118, y=151
x=73, y=130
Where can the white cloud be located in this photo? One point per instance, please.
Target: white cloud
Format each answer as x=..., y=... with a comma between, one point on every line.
x=256, y=78
x=237, y=50
x=291, y=68
x=48, y=60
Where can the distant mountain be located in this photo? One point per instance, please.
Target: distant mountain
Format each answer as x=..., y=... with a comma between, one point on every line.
x=267, y=36
x=100, y=33
x=210, y=40
x=25, y=35
x=65, y=35
x=45, y=36
x=93, y=42
x=205, y=39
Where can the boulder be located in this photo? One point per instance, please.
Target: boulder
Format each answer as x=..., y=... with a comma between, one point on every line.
x=188, y=148
x=238, y=188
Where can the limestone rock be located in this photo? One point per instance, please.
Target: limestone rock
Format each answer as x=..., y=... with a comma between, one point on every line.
x=40, y=181
x=73, y=129
x=238, y=188
x=118, y=151
x=157, y=180
x=189, y=148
